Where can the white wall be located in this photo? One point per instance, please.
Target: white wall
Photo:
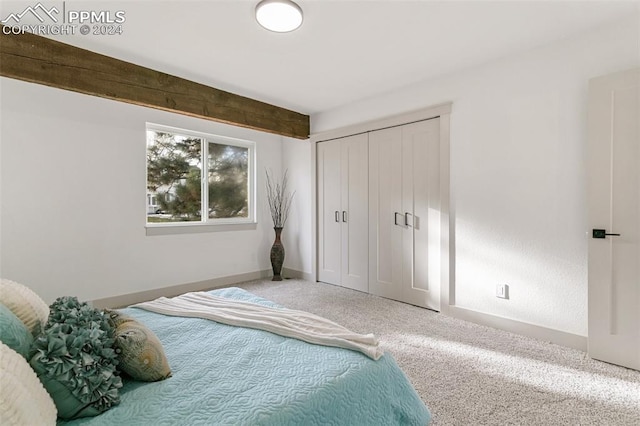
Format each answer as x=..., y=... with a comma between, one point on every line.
x=297, y=233
x=73, y=199
x=518, y=176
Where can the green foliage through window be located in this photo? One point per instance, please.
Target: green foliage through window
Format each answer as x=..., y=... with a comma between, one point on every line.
x=228, y=181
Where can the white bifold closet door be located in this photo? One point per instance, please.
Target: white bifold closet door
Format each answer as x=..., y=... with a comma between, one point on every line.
x=614, y=216
x=404, y=215
x=343, y=176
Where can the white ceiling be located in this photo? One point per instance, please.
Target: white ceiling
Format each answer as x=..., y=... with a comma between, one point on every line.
x=344, y=51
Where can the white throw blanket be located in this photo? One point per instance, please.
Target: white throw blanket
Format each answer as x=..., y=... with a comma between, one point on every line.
x=284, y=322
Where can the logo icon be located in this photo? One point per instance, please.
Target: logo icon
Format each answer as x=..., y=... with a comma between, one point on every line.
x=38, y=11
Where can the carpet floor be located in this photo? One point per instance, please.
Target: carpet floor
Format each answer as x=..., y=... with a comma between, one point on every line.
x=468, y=374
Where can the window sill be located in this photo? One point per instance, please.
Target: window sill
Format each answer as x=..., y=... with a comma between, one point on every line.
x=197, y=228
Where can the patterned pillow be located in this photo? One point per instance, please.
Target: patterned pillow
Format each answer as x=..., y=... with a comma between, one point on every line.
x=140, y=353
x=13, y=332
x=23, y=399
x=27, y=305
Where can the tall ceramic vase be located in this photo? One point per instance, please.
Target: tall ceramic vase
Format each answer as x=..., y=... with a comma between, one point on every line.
x=277, y=256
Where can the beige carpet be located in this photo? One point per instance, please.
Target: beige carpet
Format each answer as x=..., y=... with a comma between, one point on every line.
x=469, y=374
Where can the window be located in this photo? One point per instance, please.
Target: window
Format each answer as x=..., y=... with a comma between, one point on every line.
x=178, y=159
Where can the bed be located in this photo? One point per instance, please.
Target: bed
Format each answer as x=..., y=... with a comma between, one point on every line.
x=227, y=375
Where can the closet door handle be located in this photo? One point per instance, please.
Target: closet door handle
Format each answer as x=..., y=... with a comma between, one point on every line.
x=601, y=233
x=406, y=220
x=344, y=216
x=337, y=216
x=395, y=218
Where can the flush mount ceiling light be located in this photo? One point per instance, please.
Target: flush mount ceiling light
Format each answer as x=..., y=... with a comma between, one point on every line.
x=280, y=16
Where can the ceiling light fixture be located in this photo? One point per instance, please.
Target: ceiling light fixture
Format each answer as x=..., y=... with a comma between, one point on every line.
x=280, y=16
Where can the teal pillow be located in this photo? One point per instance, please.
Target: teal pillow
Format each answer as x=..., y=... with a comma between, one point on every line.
x=75, y=360
x=13, y=332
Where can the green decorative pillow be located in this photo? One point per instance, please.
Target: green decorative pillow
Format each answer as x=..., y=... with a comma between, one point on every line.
x=140, y=353
x=75, y=360
x=13, y=332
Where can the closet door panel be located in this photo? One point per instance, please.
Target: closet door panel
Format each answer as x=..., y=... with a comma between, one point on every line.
x=386, y=217
x=421, y=152
x=407, y=248
x=433, y=213
x=329, y=212
x=355, y=212
x=420, y=234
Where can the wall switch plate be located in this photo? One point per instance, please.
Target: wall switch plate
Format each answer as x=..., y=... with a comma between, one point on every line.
x=502, y=291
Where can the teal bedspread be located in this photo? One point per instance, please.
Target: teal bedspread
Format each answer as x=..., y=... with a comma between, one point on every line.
x=225, y=375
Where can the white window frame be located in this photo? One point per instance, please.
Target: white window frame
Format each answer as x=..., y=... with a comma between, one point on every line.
x=207, y=224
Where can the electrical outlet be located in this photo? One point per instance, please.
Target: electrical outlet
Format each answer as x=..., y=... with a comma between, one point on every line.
x=502, y=291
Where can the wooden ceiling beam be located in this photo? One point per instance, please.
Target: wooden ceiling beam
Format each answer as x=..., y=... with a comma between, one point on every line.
x=44, y=61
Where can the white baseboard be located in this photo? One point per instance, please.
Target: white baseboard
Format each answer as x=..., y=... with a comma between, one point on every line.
x=293, y=273
x=143, y=296
x=530, y=330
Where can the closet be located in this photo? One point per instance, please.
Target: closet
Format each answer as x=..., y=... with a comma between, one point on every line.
x=342, y=166
x=382, y=209
x=404, y=213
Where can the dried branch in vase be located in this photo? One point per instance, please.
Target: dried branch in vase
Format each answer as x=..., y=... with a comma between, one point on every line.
x=279, y=199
